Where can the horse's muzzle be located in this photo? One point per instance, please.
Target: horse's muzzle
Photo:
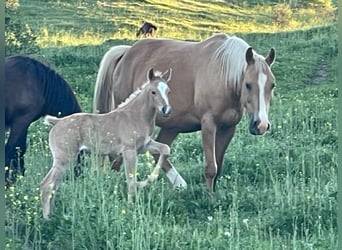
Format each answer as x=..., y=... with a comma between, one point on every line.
x=166, y=110
x=258, y=127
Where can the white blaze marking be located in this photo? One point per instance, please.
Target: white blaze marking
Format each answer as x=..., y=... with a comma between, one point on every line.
x=162, y=86
x=262, y=105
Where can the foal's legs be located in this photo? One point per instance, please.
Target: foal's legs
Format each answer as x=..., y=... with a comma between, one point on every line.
x=130, y=162
x=164, y=152
x=50, y=183
x=166, y=136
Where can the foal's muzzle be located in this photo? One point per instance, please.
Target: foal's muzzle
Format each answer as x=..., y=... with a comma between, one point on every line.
x=258, y=128
x=165, y=110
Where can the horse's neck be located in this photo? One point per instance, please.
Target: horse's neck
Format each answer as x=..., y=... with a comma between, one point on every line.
x=60, y=100
x=144, y=110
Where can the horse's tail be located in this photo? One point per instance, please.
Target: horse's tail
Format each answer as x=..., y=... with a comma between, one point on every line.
x=103, y=94
x=51, y=120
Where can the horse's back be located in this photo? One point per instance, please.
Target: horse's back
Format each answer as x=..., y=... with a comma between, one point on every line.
x=159, y=54
x=186, y=58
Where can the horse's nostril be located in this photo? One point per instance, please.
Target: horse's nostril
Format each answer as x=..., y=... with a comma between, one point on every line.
x=255, y=124
x=166, y=110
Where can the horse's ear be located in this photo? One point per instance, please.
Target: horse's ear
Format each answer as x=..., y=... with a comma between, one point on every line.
x=270, y=57
x=249, y=56
x=150, y=74
x=167, y=75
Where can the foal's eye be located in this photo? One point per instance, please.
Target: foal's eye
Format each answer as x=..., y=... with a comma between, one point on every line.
x=248, y=86
x=153, y=92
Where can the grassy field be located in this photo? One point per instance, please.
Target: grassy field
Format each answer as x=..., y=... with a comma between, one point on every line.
x=275, y=192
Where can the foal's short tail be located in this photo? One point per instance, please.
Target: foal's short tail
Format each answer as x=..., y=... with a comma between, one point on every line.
x=103, y=94
x=51, y=120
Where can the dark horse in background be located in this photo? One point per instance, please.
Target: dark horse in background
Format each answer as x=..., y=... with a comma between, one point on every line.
x=147, y=29
x=32, y=90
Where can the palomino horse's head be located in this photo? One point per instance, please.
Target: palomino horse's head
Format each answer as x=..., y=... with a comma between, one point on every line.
x=257, y=88
x=159, y=90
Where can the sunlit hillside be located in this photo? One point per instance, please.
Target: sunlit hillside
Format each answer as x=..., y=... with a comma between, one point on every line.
x=92, y=22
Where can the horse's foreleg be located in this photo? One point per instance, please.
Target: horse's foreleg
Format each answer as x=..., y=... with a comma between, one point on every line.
x=14, y=151
x=49, y=185
x=130, y=161
x=166, y=136
x=208, y=140
x=223, y=138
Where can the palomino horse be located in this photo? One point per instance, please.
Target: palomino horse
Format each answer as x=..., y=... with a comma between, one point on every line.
x=216, y=80
x=125, y=131
x=32, y=90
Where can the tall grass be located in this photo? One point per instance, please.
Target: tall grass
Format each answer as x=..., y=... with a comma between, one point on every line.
x=275, y=192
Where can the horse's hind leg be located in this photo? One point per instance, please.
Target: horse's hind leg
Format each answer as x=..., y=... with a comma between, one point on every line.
x=166, y=136
x=78, y=168
x=49, y=185
x=14, y=151
x=116, y=162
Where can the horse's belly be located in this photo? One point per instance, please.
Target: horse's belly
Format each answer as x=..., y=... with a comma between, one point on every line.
x=180, y=124
x=109, y=147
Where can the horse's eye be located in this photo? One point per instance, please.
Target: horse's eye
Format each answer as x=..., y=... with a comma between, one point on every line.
x=153, y=92
x=248, y=86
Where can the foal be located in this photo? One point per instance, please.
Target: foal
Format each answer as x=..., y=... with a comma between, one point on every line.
x=124, y=131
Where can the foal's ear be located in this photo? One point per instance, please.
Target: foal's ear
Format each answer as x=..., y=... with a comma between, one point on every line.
x=270, y=57
x=249, y=56
x=150, y=74
x=167, y=75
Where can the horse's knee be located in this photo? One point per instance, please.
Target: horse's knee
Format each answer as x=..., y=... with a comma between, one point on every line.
x=165, y=150
x=210, y=174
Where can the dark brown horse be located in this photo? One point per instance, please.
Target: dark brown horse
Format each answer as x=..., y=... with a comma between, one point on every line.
x=215, y=81
x=32, y=90
x=147, y=29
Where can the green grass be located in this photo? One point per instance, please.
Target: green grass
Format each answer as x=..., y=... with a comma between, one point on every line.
x=275, y=191
x=63, y=23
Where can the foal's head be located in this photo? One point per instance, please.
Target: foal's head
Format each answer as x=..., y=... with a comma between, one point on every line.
x=257, y=88
x=159, y=90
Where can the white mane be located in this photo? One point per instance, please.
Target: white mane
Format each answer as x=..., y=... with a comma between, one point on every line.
x=231, y=56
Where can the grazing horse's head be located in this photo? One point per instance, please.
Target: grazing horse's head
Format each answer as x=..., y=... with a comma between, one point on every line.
x=159, y=90
x=256, y=92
